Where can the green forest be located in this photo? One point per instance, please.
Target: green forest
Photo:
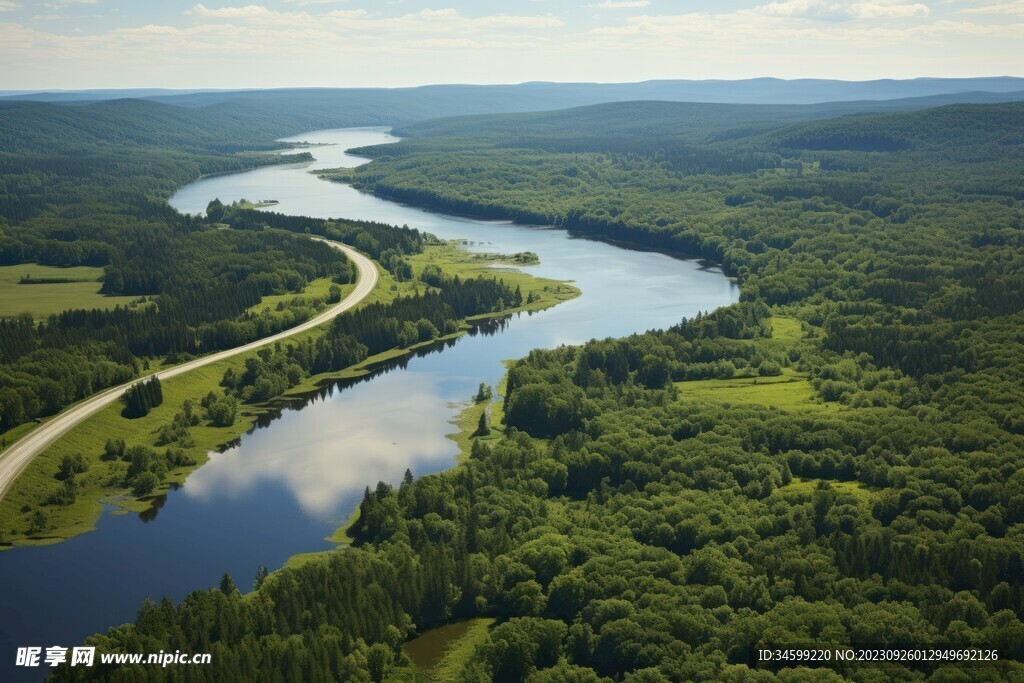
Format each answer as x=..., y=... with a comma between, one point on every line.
x=87, y=186
x=836, y=459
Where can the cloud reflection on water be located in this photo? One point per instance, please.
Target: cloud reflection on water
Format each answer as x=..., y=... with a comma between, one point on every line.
x=370, y=432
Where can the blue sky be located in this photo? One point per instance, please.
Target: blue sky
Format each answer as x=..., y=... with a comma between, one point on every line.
x=269, y=43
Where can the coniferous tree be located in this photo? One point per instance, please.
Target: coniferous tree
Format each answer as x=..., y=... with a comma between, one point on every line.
x=482, y=428
x=227, y=584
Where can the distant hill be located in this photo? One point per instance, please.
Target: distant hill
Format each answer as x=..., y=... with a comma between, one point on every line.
x=966, y=127
x=39, y=126
x=679, y=120
x=98, y=95
x=243, y=123
x=811, y=91
x=321, y=107
x=219, y=127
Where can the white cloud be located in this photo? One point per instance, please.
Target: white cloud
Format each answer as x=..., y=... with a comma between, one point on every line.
x=8, y=6
x=253, y=45
x=446, y=20
x=881, y=10
x=822, y=9
x=246, y=12
x=795, y=27
x=512, y=21
x=621, y=4
x=1012, y=7
x=150, y=30
x=444, y=44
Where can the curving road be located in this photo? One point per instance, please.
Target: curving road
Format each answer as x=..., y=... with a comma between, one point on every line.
x=16, y=458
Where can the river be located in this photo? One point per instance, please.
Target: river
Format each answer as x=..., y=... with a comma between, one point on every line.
x=287, y=484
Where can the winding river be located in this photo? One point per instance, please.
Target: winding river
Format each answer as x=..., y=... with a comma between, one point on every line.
x=287, y=484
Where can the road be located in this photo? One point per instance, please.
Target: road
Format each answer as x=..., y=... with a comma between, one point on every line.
x=16, y=458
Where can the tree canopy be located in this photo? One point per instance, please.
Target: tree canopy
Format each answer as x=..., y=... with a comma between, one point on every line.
x=633, y=525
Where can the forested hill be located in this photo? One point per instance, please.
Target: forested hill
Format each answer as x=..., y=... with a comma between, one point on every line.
x=38, y=126
x=228, y=122
x=837, y=459
x=965, y=127
x=530, y=166
x=705, y=122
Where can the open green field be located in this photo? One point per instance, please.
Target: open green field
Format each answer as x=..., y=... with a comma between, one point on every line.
x=808, y=486
x=786, y=330
x=441, y=653
x=315, y=289
x=259, y=204
x=789, y=391
x=455, y=260
x=42, y=300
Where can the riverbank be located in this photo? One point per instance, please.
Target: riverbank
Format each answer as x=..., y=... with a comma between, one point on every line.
x=29, y=515
x=609, y=231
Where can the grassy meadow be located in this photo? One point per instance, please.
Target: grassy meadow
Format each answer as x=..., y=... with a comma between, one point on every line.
x=80, y=290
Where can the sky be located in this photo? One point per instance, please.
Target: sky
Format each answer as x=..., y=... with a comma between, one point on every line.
x=78, y=44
